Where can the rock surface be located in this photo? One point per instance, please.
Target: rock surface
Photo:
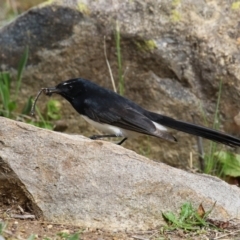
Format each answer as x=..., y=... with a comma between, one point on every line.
x=72, y=179
x=174, y=53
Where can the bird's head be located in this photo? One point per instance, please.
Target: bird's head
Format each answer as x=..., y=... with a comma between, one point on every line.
x=69, y=89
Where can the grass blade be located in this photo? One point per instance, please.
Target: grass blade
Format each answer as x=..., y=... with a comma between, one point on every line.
x=119, y=57
x=210, y=160
x=27, y=107
x=108, y=65
x=5, y=93
x=21, y=67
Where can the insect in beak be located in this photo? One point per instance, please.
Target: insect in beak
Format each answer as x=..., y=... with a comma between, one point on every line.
x=48, y=92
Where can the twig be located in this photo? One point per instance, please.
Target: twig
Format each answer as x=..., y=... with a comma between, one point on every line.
x=11, y=234
x=227, y=234
x=21, y=209
x=190, y=162
x=200, y=149
x=140, y=238
x=26, y=216
x=153, y=235
x=109, y=67
x=144, y=232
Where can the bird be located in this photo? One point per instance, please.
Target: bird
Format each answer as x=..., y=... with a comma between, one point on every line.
x=117, y=116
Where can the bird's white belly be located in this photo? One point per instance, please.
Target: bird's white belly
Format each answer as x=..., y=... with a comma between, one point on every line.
x=119, y=132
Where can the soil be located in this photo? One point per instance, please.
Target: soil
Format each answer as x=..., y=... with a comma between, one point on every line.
x=23, y=229
x=17, y=228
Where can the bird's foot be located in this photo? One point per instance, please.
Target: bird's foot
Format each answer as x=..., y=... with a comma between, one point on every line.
x=122, y=141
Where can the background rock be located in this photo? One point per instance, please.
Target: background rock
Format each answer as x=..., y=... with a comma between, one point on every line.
x=74, y=180
x=174, y=54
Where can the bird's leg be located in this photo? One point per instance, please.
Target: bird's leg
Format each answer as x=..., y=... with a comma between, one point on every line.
x=94, y=137
x=122, y=141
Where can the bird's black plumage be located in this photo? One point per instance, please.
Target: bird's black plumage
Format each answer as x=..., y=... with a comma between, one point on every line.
x=106, y=108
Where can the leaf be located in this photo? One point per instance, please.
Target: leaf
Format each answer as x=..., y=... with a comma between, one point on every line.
x=4, y=96
x=200, y=211
x=73, y=237
x=230, y=161
x=200, y=221
x=32, y=237
x=5, y=89
x=12, y=106
x=169, y=216
x=53, y=109
x=210, y=211
x=186, y=211
x=27, y=107
x=6, y=79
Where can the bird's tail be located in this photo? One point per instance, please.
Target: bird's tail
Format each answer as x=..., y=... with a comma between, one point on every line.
x=195, y=129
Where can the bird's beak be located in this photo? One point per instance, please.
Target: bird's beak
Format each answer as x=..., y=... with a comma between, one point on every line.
x=51, y=90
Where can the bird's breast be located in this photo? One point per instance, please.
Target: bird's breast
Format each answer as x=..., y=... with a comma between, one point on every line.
x=106, y=128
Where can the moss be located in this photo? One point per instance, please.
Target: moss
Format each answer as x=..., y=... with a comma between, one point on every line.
x=147, y=45
x=175, y=16
x=235, y=5
x=48, y=2
x=83, y=8
x=176, y=2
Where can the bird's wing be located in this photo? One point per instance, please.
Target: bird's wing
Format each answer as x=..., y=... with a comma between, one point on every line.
x=124, y=117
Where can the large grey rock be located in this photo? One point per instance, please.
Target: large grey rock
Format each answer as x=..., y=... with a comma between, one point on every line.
x=174, y=53
x=72, y=179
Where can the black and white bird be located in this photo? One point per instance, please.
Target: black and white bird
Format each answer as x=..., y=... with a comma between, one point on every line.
x=118, y=116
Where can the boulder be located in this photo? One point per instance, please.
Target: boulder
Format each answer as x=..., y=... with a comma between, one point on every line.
x=174, y=54
x=72, y=179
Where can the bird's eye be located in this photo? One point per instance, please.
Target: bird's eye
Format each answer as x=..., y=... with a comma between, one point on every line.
x=70, y=87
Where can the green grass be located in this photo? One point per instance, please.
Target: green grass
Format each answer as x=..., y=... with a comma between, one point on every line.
x=2, y=228
x=119, y=58
x=52, y=113
x=189, y=219
x=229, y=163
x=9, y=103
x=121, y=82
x=145, y=148
x=9, y=96
x=219, y=162
x=210, y=163
x=66, y=236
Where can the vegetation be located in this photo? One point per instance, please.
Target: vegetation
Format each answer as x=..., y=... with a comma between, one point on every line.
x=66, y=236
x=189, y=219
x=9, y=103
x=9, y=98
x=235, y=5
x=210, y=165
x=119, y=58
x=216, y=160
x=8, y=234
x=146, y=46
x=229, y=162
